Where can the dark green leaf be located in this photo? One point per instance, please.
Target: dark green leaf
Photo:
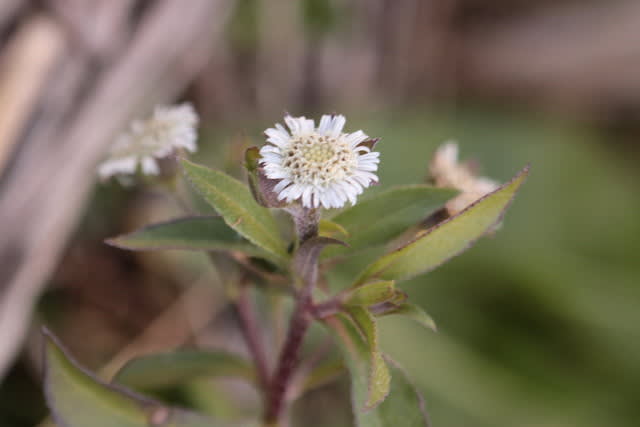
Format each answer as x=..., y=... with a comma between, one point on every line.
x=178, y=367
x=381, y=218
x=78, y=399
x=233, y=200
x=438, y=244
x=203, y=233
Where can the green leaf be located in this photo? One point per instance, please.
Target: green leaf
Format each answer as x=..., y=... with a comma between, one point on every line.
x=378, y=375
x=379, y=219
x=204, y=233
x=328, y=228
x=78, y=399
x=177, y=367
x=403, y=406
x=415, y=313
x=442, y=242
x=233, y=200
x=372, y=293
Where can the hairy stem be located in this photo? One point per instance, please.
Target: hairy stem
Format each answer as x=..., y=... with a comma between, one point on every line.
x=306, y=264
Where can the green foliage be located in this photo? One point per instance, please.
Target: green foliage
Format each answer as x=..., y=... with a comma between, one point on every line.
x=415, y=313
x=434, y=246
x=233, y=200
x=78, y=399
x=190, y=233
x=383, y=217
x=404, y=406
x=378, y=373
x=371, y=293
x=178, y=367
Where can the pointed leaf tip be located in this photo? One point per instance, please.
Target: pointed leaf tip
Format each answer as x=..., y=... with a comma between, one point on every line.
x=436, y=245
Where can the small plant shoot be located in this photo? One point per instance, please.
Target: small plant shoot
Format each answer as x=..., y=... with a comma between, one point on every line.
x=300, y=210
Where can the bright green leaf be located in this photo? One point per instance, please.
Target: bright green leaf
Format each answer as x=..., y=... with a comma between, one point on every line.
x=378, y=375
x=403, y=406
x=233, y=200
x=78, y=399
x=438, y=244
x=415, y=313
x=177, y=367
x=205, y=233
x=379, y=219
x=372, y=293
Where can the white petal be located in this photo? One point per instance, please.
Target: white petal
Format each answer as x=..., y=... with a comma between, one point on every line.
x=149, y=166
x=337, y=124
x=325, y=123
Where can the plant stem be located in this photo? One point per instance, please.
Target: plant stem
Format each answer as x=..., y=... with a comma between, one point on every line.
x=299, y=324
x=306, y=222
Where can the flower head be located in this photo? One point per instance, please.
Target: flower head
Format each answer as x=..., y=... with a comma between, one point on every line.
x=447, y=172
x=320, y=166
x=169, y=128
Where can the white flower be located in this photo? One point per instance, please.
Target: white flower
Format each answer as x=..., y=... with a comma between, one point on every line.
x=320, y=166
x=447, y=172
x=168, y=129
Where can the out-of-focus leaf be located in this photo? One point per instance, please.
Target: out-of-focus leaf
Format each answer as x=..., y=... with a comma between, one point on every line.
x=166, y=369
x=402, y=407
x=204, y=233
x=372, y=293
x=415, y=313
x=323, y=374
x=438, y=244
x=378, y=375
x=379, y=219
x=233, y=200
x=78, y=399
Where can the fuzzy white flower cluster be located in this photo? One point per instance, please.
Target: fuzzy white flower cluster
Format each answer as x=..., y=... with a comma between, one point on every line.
x=169, y=128
x=320, y=166
x=447, y=172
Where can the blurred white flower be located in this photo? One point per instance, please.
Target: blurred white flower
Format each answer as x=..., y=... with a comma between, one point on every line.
x=447, y=172
x=320, y=166
x=169, y=128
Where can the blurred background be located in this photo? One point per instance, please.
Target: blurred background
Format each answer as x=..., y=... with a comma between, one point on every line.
x=539, y=325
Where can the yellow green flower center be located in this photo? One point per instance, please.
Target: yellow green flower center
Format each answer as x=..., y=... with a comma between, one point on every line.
x=319, y=159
